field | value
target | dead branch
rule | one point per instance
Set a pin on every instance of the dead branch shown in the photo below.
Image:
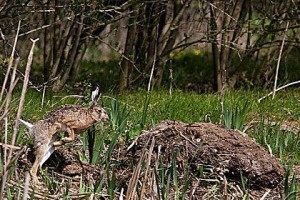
(279, 59)
(10, 146)
(280, 88)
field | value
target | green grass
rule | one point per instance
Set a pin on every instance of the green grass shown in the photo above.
(192, 107)
(186, 106)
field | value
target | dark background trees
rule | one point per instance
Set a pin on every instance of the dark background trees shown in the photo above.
(236, 42)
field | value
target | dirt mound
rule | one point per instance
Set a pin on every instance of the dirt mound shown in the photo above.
(229, 152)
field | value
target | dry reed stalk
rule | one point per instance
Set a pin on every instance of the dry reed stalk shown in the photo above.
(7, 103)
(134, 179)
(12, 83)
(266, 194)
(22, 99)
(9, 91)
(5, 140)
(19, 194)
(121, 194)
(11, 161)
(145, 180)
(19, 113)
(10, 146)
(225, 190)
(43, 98)
(38, 194)
(26, 186)
(4, 115)
(154, 185)
(10, 62)
(154, 62)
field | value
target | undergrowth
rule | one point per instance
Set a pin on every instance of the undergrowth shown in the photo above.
(133, 111)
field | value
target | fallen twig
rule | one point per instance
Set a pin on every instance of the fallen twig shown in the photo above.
(195, 145)
(266, 194)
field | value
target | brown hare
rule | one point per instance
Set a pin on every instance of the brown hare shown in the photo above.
(70, 119)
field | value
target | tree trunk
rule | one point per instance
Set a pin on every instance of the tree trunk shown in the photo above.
(81, 51)
(218, 78)
(168, 34)
(71, 52)
(129, 52)
(47, 46)
(61, 47)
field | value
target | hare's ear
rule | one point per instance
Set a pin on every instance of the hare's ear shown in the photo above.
(95, 94)
(95, 100)
(98, 97)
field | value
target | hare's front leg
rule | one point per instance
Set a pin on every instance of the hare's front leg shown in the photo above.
(71, 135)
(61, 127)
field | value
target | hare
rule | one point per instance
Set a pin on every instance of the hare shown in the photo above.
(70, 119)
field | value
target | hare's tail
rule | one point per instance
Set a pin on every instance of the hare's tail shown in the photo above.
(28, 125)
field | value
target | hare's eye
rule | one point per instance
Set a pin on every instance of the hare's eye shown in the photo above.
(99, 110)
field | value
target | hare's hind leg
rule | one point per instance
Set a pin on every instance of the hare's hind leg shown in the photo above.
(40, 152)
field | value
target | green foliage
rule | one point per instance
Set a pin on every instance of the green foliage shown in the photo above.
(291, 187)
(50, 181)
(96, 147)
(283, 144)
(102, 72)
(235, 114)
(118, 116)
(174, 172)
(145, 111)
(85, 147)
(111, 182)
(244, 187)
(9, 194)
(82, 186)
(93, 143)
(190, 66)
(164, 188)
(289, 68)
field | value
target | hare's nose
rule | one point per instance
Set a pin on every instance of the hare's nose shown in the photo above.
(104, 117)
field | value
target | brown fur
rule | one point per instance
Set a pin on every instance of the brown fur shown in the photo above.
(70, 119)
